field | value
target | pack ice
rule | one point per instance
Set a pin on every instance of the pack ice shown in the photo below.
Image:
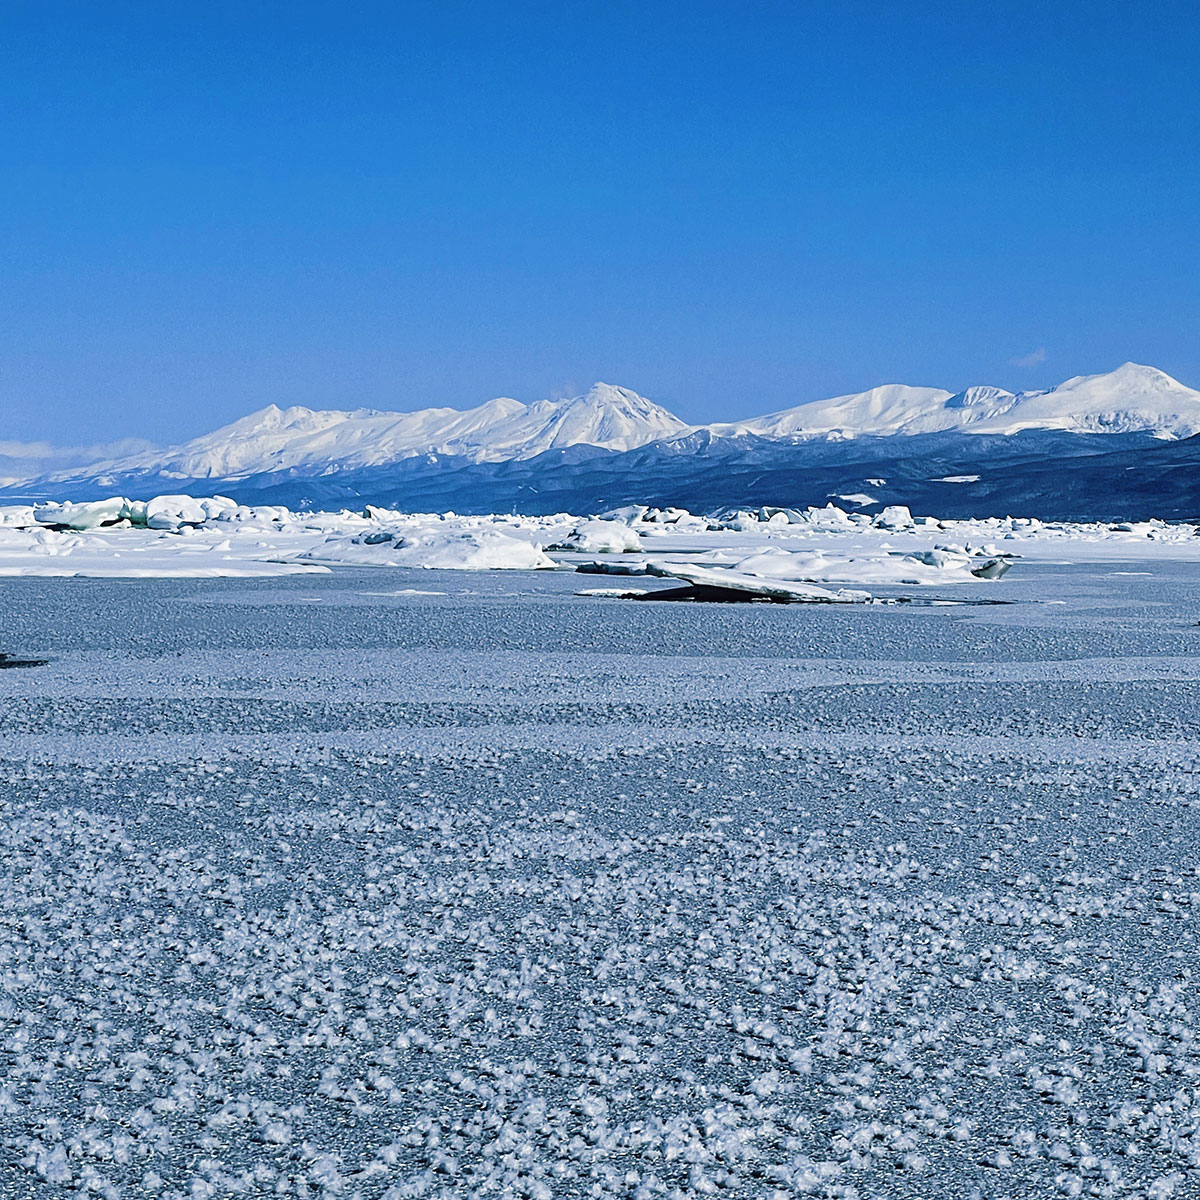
(770, 550)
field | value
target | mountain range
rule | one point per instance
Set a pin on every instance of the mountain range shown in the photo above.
(1120, 445)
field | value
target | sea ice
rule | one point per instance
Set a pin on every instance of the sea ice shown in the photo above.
(894, 516)
(601, 537)
(205, 536)
(173, 512)
(920, 567)
(720, 579)
(82, 516)
(465, 550)
(543, 901)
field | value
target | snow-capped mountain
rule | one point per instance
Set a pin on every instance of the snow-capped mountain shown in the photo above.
(891, 408)
(304, 440)
(1131, 399)
(300, 440)
(977, 451)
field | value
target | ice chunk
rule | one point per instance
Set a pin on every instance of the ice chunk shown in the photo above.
(673, 516)
(173, 512)
(612, 568)
(940, 557)
(992, 569)
(82, 516)
(628, 514)
(721, 579)
(17, 516)
(895, 516)
(608, 593)
(601, 537)
(450, 550)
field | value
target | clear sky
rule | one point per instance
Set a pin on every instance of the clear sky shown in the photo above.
(731, 208)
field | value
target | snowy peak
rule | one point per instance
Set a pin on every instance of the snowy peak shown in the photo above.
(977, 400)
(1131, 399)
(614, 418)
(274, 420)
(890, 408)
(1129, 378)
(310, 441)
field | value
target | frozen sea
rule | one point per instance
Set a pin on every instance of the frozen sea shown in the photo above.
(396, 883)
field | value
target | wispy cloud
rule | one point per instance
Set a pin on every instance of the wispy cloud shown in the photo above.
(27, 450)
(1033, 359)
(37, 457)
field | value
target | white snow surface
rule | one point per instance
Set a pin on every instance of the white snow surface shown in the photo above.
(213, 536)
(138, 554)
(935, 566)
(437, 549)
(735, 579)
(597, 536)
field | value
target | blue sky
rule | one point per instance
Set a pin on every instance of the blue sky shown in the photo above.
(730, 207)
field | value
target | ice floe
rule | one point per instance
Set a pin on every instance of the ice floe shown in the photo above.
(776, 574)
(712, 582)
(935, 566)
(601, 537)
(163, 512)
(180, 535)
(122, 555)
(445, 550)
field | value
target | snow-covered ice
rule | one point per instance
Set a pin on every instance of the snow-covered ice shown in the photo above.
(114, 554)
(318, 888)
(214, 536)
(738, 580)
(924, 567)
(596, 536)
(462, 550)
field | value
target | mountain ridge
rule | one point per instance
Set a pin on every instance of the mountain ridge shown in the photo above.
(274, 438)
(981, 446)
(1132, 398)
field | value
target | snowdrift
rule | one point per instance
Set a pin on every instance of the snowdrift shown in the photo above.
(779, 552)
(471, 550)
